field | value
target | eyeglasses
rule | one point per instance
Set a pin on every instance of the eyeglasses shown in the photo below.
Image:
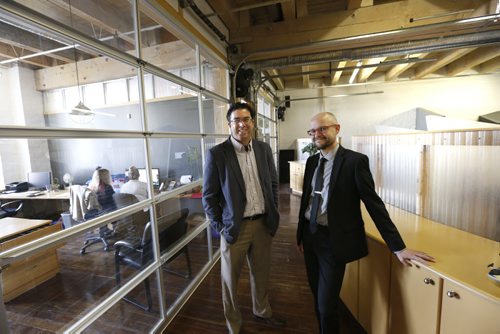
(244, 120)
(322, 129)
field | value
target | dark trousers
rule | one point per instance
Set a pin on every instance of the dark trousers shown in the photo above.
(325, 277)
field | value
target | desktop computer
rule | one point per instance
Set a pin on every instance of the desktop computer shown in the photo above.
(39, 180)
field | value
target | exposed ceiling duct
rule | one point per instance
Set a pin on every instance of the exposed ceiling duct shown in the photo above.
(395, 49)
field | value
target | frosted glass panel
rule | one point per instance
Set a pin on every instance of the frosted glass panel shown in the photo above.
(399, 176)
(464, 188)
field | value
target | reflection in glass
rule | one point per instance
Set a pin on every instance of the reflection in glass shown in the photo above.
(108, 22)
(179, 160)
(215, 77)
(165, 50)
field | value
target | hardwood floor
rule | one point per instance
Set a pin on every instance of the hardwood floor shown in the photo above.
(290, 295)
(86, 280)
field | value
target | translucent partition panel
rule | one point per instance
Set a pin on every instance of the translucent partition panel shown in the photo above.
(171, 107)
(110, 22)
(125, 317)
(70, 161)
(399, 170)
(214, 116)
(53, 288)
(178, 159)
(163, 49)
(215, 77)
(464, 188)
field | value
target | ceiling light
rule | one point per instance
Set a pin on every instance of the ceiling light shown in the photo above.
(355, 72)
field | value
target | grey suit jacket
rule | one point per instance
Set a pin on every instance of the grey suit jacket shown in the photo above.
(224, 198)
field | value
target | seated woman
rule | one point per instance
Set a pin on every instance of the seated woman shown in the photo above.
(134, 186)
(101, 185)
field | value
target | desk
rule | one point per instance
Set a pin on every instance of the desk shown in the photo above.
(29, 272)
(48, 205)
(57, 195)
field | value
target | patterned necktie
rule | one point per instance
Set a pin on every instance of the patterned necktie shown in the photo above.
(318, 186)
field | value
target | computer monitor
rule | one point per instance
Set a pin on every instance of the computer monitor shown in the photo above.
(38, 180)
(155, 173)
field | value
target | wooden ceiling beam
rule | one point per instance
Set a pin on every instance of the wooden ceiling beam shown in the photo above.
(490, 66)
(395, 71)
(355, 4)
(473, 59)
(229, 17)
(168, 56)
(329, 26)
(365, 73)
(96, 13)
(28, 41)
(337, 74)
(301, 7)
(445, 59)
(278, 82)
(305, 77)
(288, 10)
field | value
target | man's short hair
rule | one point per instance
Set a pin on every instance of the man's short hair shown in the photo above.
(239, 105)
(133, 173)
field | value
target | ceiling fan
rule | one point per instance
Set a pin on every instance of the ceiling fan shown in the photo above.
(82, 110)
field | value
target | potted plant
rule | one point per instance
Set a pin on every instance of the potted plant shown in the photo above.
(310, 148)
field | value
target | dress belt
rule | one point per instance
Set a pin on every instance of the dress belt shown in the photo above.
(254, 217)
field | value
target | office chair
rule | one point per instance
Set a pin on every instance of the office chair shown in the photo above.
(137, 253)
(10, 209)
(105, 233)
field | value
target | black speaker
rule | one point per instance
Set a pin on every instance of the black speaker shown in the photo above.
(243, 81)
(287, 101)
(281, 113)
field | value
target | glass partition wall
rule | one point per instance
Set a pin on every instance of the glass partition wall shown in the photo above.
(89, 97)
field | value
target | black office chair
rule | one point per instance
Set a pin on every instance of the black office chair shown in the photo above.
(10, 209)
(137, 253)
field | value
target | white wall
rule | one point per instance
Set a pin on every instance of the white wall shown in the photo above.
(21, 104)
(462, 97)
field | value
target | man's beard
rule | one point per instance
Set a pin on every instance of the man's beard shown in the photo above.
(326, 143)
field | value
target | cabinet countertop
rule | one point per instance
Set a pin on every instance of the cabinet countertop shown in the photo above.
(460, 256)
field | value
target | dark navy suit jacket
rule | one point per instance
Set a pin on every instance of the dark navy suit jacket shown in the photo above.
(224, 196)
(350, 183)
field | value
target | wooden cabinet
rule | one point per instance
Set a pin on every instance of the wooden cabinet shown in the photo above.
(374, 278)
(415, 299)
(27, 273)
(464, 311)
(349, 291)
(297, 170)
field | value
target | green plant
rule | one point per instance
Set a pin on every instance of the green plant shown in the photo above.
(192, 156)
(310, 148)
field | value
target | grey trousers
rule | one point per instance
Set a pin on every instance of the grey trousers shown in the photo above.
(254, 244)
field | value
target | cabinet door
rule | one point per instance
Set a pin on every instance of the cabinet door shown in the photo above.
(374, 276)
(465, 312)
(349, 292)
(415, 295)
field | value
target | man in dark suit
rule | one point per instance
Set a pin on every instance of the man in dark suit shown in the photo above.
(240, 197)
(331, 231)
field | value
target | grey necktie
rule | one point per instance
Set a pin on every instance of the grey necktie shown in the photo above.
(318, 185)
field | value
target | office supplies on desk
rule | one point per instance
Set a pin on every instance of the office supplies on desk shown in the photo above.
(16, 187)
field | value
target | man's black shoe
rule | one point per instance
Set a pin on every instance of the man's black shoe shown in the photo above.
(272, 321)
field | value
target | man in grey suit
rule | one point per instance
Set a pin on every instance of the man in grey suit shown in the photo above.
(240, 197)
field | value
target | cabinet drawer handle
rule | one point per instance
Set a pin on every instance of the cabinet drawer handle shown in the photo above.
(452, 294)
(428, 280)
